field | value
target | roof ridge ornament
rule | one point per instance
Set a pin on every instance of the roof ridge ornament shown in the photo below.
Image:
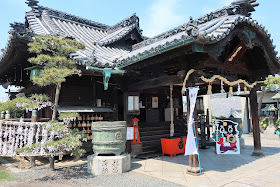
(19, 30)
(34, 6)
(243, 7)
(133, 19)
(237, 7)
(32, 3)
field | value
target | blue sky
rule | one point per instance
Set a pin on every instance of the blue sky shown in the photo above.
(156, 16)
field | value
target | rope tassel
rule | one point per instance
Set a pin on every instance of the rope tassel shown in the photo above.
(230, 90)
(209, 91)
(245, 90)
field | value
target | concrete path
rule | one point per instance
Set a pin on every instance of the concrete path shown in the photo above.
(219, 170)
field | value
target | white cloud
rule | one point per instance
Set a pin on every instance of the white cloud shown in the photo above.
(162, 16)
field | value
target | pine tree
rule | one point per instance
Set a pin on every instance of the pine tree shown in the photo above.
(53, 54)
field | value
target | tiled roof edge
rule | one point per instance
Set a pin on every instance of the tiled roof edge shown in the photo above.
(38, 10)
(130, 20)
(184, 40)
(238, 7)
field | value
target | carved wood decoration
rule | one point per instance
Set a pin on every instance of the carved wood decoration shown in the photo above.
(236, 54)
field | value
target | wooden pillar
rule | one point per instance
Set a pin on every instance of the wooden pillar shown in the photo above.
(255, 122)
(278, 111)
(171, 112)
(194, 158)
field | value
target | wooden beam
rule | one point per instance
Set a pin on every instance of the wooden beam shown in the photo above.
(213, 63)
(154, 83)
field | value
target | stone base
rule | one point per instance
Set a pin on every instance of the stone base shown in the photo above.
(136, 149)
(194, 170)
(106, 165)
(242, 143)
(257, 153)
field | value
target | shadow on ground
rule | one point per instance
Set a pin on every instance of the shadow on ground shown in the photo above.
(71, 172)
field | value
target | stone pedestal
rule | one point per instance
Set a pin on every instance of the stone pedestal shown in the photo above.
(136, 149)
(257, 153)
(106, 165)
(194, 170)
(242, 143)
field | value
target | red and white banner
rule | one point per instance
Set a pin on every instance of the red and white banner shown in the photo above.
(190, 148)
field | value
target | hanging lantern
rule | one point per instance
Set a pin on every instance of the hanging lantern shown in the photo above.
(35, 71)
(209, 91)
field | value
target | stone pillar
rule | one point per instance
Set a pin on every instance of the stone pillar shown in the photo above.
(255, 122)
(34, 115)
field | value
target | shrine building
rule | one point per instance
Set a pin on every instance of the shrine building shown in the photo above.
(127, 75)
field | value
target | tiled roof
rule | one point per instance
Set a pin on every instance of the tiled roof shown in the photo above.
(99, 38)
(45, 21)
(269, 108)
(276, 96)
(96, 36)
(120, 30)
(208, 29)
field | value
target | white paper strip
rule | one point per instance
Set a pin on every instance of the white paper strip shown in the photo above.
(191, 148)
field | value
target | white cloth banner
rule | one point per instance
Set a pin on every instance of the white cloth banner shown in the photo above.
(190, 148)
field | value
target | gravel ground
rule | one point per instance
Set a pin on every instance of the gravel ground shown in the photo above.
(78, 176)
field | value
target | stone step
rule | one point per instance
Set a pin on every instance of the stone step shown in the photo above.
(149, 155)
(148, 148)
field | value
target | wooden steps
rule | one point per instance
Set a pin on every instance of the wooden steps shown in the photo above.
(150, 137)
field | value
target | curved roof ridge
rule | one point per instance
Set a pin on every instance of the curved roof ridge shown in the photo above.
(238, 7)
(38, 9)
(128, 21)
(213, 31)
(121, 29)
